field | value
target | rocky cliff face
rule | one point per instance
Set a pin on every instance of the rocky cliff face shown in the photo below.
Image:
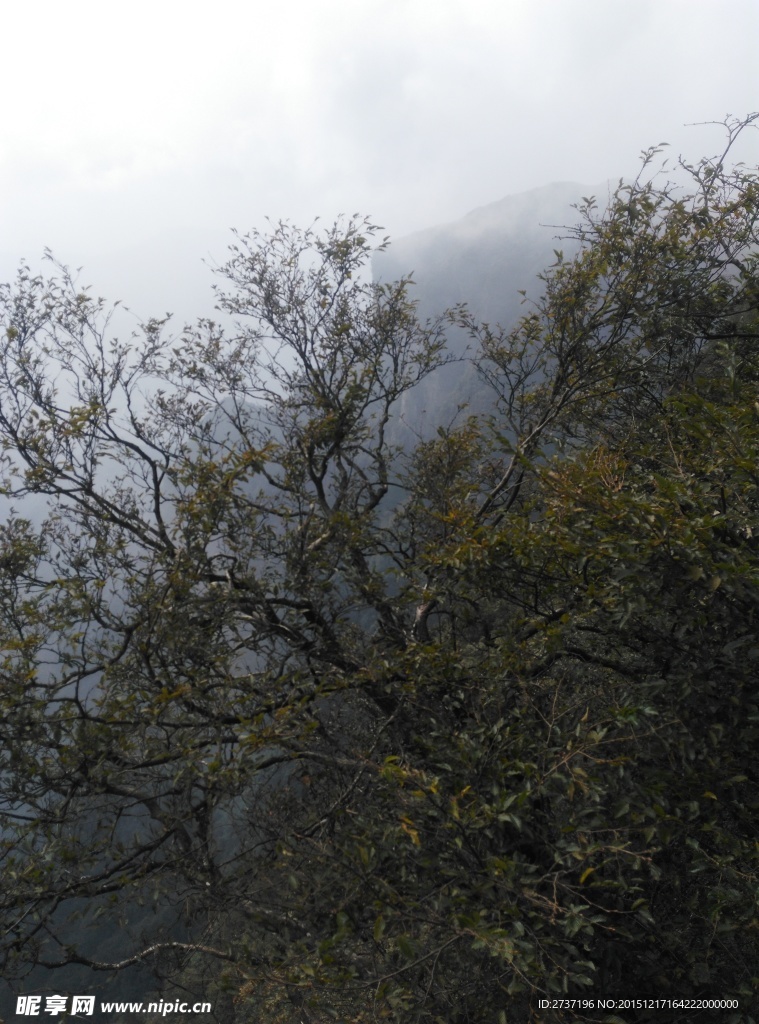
(484, 259)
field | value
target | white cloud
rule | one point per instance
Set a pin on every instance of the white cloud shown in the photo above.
(161, 118)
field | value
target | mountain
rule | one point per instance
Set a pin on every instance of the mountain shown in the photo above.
(483, 259)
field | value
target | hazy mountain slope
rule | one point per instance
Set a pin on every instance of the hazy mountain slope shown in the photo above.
(484, 259)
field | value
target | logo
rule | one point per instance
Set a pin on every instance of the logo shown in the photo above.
(31, 1006)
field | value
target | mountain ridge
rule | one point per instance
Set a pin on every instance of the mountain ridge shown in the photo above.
(484, 259)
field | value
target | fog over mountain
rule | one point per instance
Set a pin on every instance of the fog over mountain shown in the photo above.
(484, 260)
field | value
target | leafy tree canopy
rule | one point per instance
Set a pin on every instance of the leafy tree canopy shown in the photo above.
(425, 735)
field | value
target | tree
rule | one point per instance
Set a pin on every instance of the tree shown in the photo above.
(171, 626)
(425, 735)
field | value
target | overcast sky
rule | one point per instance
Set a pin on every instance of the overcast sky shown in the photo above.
(134, 136)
